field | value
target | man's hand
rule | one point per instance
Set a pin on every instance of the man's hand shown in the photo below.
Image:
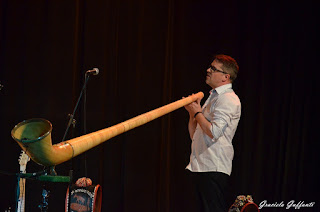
(193, 107)
(205, 125)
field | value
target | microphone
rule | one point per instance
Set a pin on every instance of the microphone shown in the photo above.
(94, 71)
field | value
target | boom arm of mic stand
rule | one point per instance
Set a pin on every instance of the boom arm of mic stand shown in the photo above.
(75, 108)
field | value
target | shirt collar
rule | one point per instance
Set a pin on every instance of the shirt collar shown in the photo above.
(222, 88)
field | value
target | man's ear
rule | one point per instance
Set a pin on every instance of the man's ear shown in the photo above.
(226, 77)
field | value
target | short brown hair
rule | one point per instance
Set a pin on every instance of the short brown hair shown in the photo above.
(229, 65)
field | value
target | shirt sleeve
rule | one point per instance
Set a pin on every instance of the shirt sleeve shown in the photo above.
(221, 115)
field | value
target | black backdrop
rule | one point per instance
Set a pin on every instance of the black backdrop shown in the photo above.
(151, 53)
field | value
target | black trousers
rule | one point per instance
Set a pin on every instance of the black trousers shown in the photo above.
(211, 190)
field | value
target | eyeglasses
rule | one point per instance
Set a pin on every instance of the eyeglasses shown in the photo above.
(213, 69)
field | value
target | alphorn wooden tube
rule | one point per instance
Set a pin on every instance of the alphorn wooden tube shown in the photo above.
(34, 135)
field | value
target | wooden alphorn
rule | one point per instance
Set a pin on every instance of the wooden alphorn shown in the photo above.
(34, 135)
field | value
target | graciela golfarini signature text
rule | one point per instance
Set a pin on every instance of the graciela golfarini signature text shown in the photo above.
(289, 205)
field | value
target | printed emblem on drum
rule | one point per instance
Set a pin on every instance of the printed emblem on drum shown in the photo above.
(81, 200)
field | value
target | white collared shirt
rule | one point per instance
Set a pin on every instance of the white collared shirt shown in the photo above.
(223, 110)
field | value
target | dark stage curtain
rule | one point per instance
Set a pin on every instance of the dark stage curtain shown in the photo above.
(151, 53)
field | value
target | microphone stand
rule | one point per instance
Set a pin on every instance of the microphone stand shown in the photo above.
(72, 121)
